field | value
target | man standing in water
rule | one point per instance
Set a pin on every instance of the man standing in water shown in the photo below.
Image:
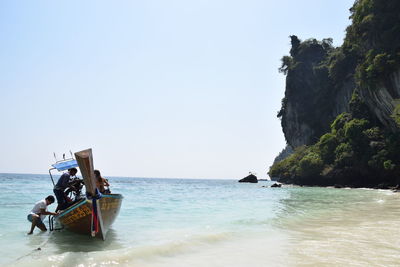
(60, 187)
(39, 212)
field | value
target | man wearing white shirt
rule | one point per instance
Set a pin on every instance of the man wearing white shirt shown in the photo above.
(39, 212)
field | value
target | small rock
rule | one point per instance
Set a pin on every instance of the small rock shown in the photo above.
(383, 186)
(276, 185)
(249, 179)
(395, 188)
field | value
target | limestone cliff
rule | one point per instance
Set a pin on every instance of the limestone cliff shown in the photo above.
(304, 119)
(382, 99)
(311, 100)
(341, 110)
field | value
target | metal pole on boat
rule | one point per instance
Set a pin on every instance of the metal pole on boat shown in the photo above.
(51, 176)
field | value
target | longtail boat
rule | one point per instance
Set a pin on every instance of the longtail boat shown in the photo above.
(93, 213)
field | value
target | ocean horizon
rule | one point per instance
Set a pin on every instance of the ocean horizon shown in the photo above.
(210, 222)
(139, 177)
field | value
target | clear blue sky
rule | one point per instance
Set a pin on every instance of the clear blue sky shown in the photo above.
(156, 88)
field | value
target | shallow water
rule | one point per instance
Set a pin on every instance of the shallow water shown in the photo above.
(186, 222)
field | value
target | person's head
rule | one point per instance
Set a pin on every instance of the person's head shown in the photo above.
(97, 174)
(72, 171)
(49, 200)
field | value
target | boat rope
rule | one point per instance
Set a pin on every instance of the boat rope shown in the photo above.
(39, 248)
(94, 226)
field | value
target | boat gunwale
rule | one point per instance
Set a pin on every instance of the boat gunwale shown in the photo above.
(83, 201)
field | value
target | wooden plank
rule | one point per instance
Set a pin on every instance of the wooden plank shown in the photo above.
(85, 163)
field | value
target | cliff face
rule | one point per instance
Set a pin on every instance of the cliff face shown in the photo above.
(296, 132)
(341, 110)
(299, 131)
(381, 99)
(301, 86)
(321, 79)
(312, 100)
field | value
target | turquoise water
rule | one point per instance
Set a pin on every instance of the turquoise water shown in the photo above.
(187, 222)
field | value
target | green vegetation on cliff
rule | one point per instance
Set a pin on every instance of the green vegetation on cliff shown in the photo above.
(374, 39)
(354, 153)
(353, 148)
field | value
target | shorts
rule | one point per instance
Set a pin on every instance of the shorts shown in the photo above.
(30, 219)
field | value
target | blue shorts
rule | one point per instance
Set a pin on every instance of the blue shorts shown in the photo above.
(31, 219)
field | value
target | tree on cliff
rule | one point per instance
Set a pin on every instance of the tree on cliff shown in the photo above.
(294, 40)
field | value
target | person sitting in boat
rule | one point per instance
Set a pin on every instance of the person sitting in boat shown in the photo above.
(101, 183)
(60, 187)
(39, 212)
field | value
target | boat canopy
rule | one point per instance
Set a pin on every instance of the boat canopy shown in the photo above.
(65, 165)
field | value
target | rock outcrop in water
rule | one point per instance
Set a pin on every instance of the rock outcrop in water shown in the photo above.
(276, 185)
(341, 110)
(251, 178)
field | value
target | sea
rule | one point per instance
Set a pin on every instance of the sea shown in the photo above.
(210, 222)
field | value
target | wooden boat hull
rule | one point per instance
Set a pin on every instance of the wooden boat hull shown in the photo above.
(78, 217)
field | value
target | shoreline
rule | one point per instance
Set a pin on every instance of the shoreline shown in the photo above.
(394, 189)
